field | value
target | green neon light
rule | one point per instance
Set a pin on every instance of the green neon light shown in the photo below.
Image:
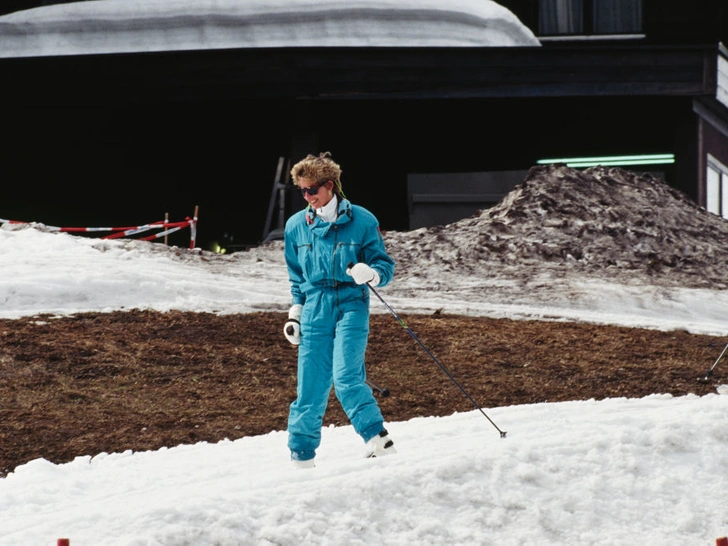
(621, 163)
(613, 161)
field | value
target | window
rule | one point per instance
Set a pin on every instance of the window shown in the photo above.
(560, 17)
(589, 17)
(716, 195)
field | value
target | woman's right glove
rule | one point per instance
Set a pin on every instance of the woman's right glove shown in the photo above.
(292, 328)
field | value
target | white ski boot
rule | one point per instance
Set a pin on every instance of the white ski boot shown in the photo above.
(381, 445)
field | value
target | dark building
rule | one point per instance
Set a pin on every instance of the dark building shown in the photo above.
(424, 135)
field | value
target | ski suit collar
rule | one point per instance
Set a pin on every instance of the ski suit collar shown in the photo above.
(344, 215)
(329, 212)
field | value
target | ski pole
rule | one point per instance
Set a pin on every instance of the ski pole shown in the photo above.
(443, 368)
(710, 371)
(383, 391)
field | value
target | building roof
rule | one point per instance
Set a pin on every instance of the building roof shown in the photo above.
(126, 26)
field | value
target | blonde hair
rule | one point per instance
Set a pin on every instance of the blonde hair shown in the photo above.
(320, 168)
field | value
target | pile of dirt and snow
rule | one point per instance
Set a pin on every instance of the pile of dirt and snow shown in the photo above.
(603, 222)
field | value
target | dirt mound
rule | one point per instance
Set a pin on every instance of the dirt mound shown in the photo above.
(599, 221)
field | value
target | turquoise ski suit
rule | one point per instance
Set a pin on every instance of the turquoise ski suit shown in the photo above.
(334, 320)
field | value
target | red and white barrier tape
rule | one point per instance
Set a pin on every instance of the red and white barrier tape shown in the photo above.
(127, 231)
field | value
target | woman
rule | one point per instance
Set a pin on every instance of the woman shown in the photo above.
(333, 249)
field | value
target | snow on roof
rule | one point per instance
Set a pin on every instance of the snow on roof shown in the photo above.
(123, 26)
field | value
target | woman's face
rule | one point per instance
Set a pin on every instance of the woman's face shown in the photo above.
(322, 193)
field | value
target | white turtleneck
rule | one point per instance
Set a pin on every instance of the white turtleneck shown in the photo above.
(330, 211)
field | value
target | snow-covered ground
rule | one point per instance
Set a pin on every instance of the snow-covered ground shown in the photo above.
(619, 471)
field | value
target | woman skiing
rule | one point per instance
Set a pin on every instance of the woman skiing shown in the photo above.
(333, 249)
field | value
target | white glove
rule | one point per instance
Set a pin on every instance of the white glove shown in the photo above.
(292, 328)
(363, 274)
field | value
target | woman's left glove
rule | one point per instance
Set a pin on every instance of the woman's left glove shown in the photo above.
(363, 274)
(292, 328)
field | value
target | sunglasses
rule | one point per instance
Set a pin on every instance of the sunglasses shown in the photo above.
(313, 190)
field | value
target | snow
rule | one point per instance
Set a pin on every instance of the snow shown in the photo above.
(124, 26)
(616, 471)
